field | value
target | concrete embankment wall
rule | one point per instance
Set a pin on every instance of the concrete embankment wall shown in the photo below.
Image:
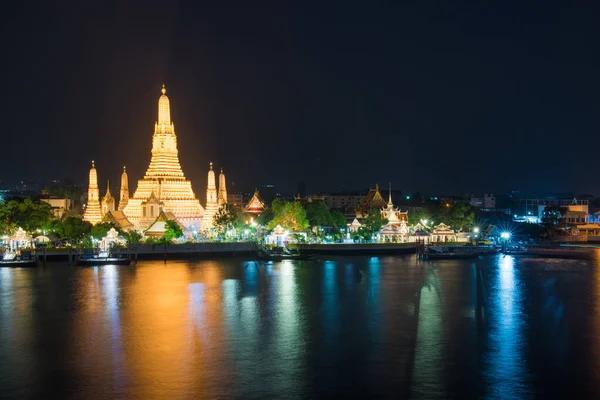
(360, 248)
(171, 251)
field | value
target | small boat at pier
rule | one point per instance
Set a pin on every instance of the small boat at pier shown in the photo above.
(23, 259)
(279, 253)
(103, 258)
(445, 252)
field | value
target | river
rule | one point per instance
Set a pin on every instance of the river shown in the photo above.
(354, 327)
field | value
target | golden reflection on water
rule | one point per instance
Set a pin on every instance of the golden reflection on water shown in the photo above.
(158, 333)
(235, 329)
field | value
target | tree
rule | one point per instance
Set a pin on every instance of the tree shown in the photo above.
(418, 216)
(338, 220)
(265, 217)
(290, 215)
(227, 219)
(27, 214)
(172, 231)
(133, 237)
(100, 230)
(372, 223)
(461, 216)
(552, 220)
(73, 229)
(318, 214)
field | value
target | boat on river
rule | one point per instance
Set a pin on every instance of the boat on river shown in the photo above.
(103, 258)
(280, 253)
(23, 259)
(444, 252)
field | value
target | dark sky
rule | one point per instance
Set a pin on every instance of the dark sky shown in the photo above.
(432, 96)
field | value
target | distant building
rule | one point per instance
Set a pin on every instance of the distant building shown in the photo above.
(487, 202)
(235, 199)
(59, 206)
(534, 207)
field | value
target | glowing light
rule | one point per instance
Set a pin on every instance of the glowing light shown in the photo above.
(476, 230)
(505, 235)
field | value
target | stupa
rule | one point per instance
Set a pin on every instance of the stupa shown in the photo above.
(93, 212)
(164, 186)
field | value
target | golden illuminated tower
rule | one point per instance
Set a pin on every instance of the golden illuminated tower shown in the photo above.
(212, 203)
(164, 179)
(222, 189)
(108, 201)
(92, 210)
(124, 196)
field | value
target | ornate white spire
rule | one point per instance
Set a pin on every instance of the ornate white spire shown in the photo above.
(164, 177)
(165, 160)
(92, 210)
(212, 203)
(108, 201)
(124, 196)
(222, 189)
(390, 200)
(211, 178)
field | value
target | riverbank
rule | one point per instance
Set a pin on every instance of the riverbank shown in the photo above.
(220, 249)
(360, 248)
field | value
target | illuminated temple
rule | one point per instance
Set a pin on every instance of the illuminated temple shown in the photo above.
(164, 187)
(163, 193)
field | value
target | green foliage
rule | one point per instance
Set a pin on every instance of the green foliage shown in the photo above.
(265, 217)
(27, 214)
(338, 220)
(173, 231)
(100, 230)
(461, 216)
(318, 214)
(373, 222)
(227, 219)
(290, 215)
(73, 229)
(151, 240)
(133, 237)
(552, 220)
(418, 216)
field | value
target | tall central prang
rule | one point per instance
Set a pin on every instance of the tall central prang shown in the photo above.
(164, 186)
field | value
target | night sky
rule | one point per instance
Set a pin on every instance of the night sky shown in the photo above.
(432, 96)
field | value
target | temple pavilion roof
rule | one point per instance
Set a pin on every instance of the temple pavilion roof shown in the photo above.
(373, 199)
(158, 227)
(255, 205)
(118, 218)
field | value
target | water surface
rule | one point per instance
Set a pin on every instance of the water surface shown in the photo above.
(377, 327)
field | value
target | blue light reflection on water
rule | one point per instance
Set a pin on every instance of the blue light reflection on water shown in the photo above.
(301, 329)
(507, 374)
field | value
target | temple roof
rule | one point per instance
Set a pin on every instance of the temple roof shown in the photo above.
(108, 197)
(394, 229)
(158, 227)
(118, 218)
(443, 228)
(255, 205)
(373, 199)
